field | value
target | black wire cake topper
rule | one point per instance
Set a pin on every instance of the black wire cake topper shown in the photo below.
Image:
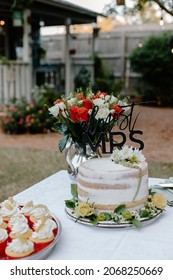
(98, 132)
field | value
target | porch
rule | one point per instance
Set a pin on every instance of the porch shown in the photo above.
(18, 76)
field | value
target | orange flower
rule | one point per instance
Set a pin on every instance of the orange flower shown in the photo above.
(79, 96)
(59, 101)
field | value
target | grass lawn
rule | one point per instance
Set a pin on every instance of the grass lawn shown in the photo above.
(21, 168)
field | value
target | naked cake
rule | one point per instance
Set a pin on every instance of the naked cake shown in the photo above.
(106, 183)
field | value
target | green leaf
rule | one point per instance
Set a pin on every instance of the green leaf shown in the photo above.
(61, 128)
(120, 209)
(144, 214)
(74, 191)
(151, 192)
(70, 204)
(170, 203)
(116, 220)
(107, 215)
(93, 219)
(63, 142)
(136, 223)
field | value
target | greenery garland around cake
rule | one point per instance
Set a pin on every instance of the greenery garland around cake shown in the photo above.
(83, 210)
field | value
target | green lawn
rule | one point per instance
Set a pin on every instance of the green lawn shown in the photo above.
(21, 168)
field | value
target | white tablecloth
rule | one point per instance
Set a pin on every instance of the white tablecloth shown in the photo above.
(80, 242)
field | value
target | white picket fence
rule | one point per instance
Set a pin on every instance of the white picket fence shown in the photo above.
(15, 81)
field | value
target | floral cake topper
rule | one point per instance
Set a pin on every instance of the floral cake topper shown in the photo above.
(127, 156)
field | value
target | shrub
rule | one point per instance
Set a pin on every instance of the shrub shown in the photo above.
(30, 117)
(83, 78)
(104, 79)
(155, 62)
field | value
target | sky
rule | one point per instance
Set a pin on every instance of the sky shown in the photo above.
(95, 5)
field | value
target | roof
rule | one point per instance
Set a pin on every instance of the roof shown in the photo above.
(52, 12)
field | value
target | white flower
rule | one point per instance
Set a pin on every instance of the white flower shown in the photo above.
(112, 111)
(138, 154)
(102, 113)
(107, 97)
(128, 156)
(54, 110)
(121, 103)
(64, 114)
(98, 102)
(71, 101)
(61, 106)
(80, 102)
(113, 99)
(126, 152)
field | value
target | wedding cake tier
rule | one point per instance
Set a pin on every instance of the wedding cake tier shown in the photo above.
(105, 184)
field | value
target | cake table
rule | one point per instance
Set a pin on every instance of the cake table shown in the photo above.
(82, 242)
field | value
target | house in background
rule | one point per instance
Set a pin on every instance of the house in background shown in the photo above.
(21, 54)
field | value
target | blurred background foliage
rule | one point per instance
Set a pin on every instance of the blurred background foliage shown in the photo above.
(154, 61)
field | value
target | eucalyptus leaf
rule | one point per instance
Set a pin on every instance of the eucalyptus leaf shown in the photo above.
(136, 223)
(61, 128)
(120, 209)
(74, 191)
(70, 204)
(63, 142)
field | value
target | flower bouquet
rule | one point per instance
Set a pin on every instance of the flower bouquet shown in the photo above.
(86, 113)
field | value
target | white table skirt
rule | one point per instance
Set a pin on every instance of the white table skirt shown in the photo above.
(82, 242)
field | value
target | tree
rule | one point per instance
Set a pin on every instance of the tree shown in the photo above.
(155, 62)
(139, 5)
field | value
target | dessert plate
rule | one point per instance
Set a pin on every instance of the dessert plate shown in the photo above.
(111, 224)
(44, 253)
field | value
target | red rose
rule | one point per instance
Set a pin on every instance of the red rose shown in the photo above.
(78, 114)
(87, 103)
(82, 114)
(73, 113)
(117, 112)
(96, 96)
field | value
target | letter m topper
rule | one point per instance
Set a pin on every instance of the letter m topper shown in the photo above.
(94, 146)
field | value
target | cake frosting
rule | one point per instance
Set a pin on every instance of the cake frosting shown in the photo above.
(27, 208)
(19, 247)
(20, 219)
(39, 212)
(7, 210)
(49, 223)
(20, 230)
(2, 223)
(45, 231)
(105, 184)
(3, 234)
(10, 201)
